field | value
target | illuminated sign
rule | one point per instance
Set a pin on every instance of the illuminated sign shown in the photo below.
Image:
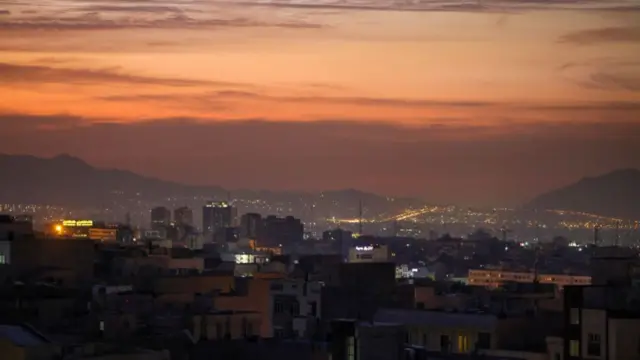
(222, 204)
(364, 248)
(77, 223)
(103, 234)
(245, 258)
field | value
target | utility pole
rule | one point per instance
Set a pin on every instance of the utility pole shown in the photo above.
(360, 218)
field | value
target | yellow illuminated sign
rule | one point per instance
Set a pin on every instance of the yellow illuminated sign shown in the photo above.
(77, 223)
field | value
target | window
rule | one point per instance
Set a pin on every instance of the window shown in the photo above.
(295, 309)
(351, 348)
(3, 258)
(227, 328)
(574, 348)
(444, 342)
(484, 340)
(249, 329)
(219, 334)
(574, 316)
(463, 343)
(314, 309)
(593, 344)
(278, 308)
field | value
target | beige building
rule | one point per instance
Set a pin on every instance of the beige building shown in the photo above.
(495, 278)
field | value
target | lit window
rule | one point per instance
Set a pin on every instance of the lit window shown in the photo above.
(351, 348)
(463, 343)
(3, 259)
(574, 315)
(574, 348)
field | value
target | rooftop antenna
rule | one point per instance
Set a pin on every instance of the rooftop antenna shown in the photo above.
(360, 218)
(596, 235)
(536, 264)
(229, 197)
(617, 233)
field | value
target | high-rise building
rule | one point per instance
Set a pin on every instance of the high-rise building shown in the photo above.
(217, 215)
(250, 226)
(183, 216)
(282, 231)
(160, 217)
(339, 239)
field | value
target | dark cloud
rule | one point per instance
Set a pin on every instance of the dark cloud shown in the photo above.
(93, 21)
(132, 8)
(215, 97)
(5, 12)
(596, 36)
(608, 81)
(219, 98)
(442, 162)
(14, 73)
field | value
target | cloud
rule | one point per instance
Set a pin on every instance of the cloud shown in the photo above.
(209, 98)
(5, 12)
(608, 81)
(442, 162)
(604, 74)
(92, 20)
(132, 9)
(14, 73)
(596, 36)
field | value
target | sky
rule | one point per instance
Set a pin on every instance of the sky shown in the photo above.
(483, 102)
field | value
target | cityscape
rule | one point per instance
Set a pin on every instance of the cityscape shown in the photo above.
(319, 180)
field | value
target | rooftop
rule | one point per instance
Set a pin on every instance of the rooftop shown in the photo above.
(22, 336)
(436, 318)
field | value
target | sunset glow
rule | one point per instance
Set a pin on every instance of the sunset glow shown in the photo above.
(458, 71)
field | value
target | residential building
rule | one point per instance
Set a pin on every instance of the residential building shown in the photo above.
(496, 278)
(601, 322)
(217, 215)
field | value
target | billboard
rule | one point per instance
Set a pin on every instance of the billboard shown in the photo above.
(103, 234)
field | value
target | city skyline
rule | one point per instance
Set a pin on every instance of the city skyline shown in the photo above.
(487, 103)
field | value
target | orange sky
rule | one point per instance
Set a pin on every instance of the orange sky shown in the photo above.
(508, 68)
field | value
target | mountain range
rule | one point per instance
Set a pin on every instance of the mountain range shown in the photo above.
(615, 194)
(69, 181)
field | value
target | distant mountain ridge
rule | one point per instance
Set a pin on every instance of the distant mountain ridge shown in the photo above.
(70, 181)
(615, 194)
(65, 179)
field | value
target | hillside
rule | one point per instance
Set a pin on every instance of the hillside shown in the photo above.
(70, 181)
(615, 194)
